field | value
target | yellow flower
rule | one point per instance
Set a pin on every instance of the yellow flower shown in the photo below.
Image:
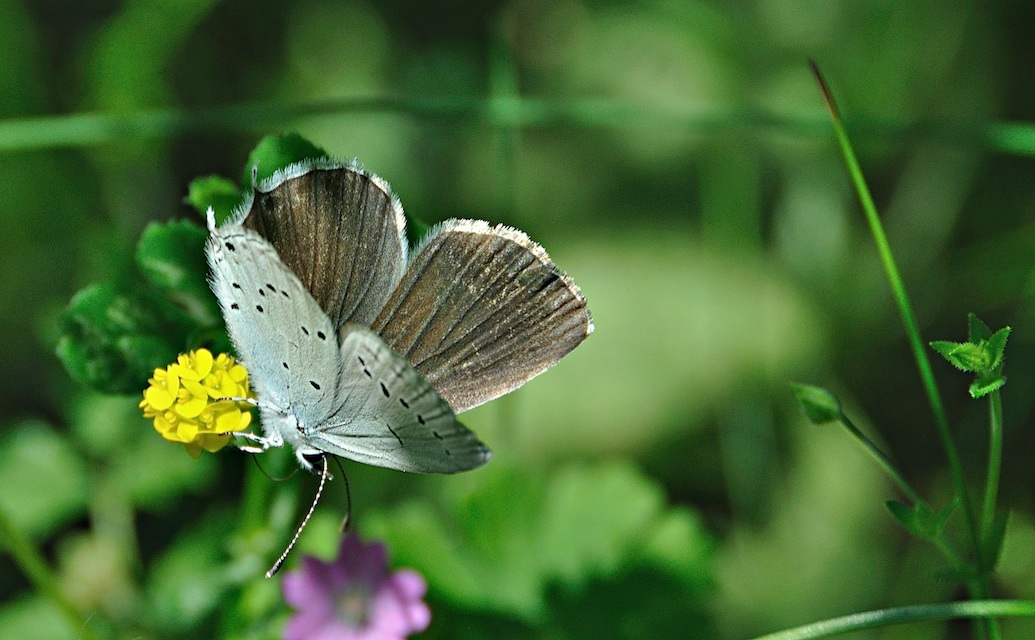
(187, 400)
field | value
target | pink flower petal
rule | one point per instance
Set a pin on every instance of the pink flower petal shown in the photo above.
(387, 606)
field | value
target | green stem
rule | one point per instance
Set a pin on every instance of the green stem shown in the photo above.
(247, 559)
(882, 460)
(885, 463)
(899, 615)
(995, 460)
(93, 129)
(923, 363)
(35, 567)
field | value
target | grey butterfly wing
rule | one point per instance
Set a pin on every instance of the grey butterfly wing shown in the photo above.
(282, 336)
(481, 310)
(339, 229)
(390, 416)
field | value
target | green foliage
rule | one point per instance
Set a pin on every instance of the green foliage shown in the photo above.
(114, 334)
(992, 543)
(819, 405)
(502, 544)
(920, 520)
(36, 450)
(171, 257)
(273, 153)
(35, 618)
(112, 337)
(189, 579)
(982, 355)
(216, 192)
(597, 155)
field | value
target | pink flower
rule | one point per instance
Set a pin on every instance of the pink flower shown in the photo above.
(355, 597)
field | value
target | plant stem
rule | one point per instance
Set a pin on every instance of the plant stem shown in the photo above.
(885, 463)
(81, 130)
(923, 363)
(995, 460)
(882, 460)
(35, 567)
(899, 615)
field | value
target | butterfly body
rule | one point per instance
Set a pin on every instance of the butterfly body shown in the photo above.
(356, 349)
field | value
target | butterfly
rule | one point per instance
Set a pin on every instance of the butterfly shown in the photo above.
(359, 349)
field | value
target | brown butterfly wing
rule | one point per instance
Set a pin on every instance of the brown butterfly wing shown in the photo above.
(339, 229)
(481, 310)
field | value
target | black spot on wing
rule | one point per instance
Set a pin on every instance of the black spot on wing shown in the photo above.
(258, 308)
(234, 305)
(384, 390)
(315, 385)
(363, 363)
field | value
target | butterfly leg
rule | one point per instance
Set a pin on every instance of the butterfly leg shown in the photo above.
(248, 401)
(261, 443)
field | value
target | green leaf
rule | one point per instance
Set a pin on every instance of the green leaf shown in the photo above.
(985, 383)
(919, 519)
(681, 547)
(499, 544)
(997, 346)
(819, 405)
(36, 617)
(214, 191)
(273, 153)
(644, 604)
(983, 356)
(189, 580)
(113, 337)
(160, 471)
(904, 514)
(976, 329)
(171, 257)
(35, 450)
(965, 356)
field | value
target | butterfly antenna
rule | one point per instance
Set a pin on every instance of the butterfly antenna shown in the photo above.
(280, 561)
(348, 498)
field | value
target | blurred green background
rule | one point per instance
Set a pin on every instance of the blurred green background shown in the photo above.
(674, 158)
